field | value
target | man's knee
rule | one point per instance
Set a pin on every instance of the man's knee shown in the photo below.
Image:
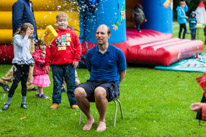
(100, 92)
(80, 92)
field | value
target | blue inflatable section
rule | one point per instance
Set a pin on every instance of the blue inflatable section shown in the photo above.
(159, 15)
(109, 12)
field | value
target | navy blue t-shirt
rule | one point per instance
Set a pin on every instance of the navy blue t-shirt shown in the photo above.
(105, 67)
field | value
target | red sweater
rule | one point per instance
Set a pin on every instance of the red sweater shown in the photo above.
(39, 66)
(65, 48)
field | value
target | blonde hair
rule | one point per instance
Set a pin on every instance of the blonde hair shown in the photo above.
(24, 27)
(61, 14)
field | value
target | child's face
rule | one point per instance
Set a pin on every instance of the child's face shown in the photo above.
(193, 15)
(43, 47)
(182, 4)
(62, 23)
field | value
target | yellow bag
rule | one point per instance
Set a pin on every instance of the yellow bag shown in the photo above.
(49, 35)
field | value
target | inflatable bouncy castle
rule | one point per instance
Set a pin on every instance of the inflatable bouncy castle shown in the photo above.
(153, 45)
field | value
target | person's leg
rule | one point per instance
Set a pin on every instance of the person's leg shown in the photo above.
(24, 78)
(138, 27)
(194, 34)
(8, 77)
(5, 80)
(83, 103)
(191, 31)
(185, 30)
(57, 73)
(101, 105)
(30, 85)
(180, 31)
(77, 81)
(69, 75)
(16, 80)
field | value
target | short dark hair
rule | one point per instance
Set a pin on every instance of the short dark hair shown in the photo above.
(182, 1)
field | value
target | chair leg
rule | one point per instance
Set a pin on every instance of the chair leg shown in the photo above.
(120, 106)
(115, 115)
(80, 119)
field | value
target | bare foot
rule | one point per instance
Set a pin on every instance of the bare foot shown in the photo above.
(89, 124)
(101, 126)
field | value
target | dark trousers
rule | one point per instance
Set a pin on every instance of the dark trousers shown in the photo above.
(182, 26)
(21, 73)
(59, 72)
(193, 34)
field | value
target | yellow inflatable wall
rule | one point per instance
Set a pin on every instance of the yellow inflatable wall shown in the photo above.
(45, 12)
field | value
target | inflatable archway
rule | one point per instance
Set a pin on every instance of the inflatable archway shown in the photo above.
(154, 45)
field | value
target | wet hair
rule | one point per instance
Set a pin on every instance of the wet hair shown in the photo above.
(40, 42)
(24, 27)
(61, 14)
(108, 29)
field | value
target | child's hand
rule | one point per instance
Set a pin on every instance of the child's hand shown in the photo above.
(29, 32)
(75, 63)
(47, 69)
(187, 17)
(196, 107)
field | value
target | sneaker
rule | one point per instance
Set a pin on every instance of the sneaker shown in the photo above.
(5, 87)
(75, 107)
(54, 106)
(6, 106)
(43, 96)
(23, 106)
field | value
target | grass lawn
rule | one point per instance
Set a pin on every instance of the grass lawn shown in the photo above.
(155, 103)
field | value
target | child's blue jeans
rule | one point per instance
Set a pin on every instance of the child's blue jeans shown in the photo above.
(67, 72)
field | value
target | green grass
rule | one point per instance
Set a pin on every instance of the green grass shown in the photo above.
(155, 103)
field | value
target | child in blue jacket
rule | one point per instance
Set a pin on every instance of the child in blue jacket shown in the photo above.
(193, 23)
(182, 18)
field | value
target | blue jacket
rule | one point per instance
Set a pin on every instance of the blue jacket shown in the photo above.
(22, 13)
(181, 14)
(192, 21)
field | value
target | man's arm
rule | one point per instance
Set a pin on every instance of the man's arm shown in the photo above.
(122, 75)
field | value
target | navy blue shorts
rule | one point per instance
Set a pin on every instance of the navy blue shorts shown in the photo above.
(112, 89)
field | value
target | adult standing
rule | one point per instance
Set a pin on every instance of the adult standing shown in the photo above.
(107, 66)
(22, 12)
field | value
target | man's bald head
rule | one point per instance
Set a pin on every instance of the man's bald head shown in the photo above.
(103, 26)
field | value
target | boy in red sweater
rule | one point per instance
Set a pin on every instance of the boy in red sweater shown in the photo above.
(63, 55)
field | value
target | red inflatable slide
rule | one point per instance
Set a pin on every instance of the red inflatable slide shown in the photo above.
(159, 48)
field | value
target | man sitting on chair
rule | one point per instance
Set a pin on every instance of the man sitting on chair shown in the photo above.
(107, 66)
